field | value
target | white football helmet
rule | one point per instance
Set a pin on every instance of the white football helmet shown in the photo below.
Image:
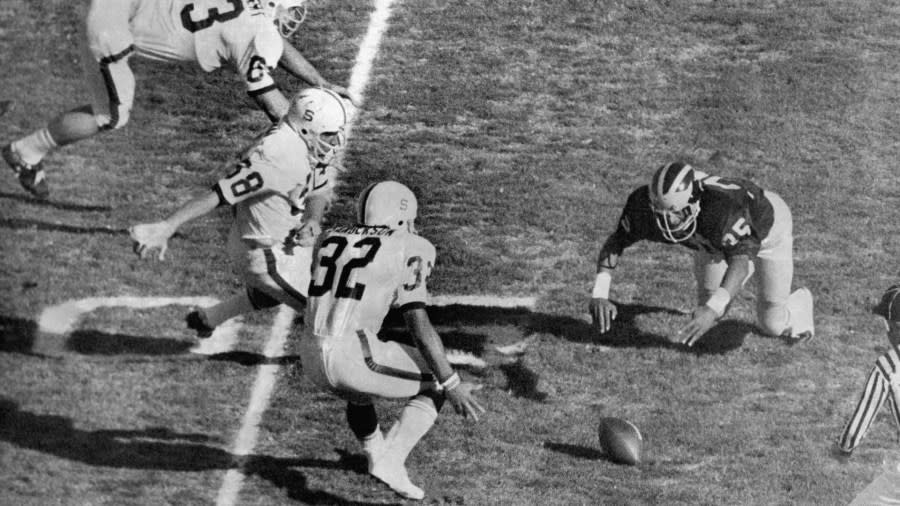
(287, 15)
(675, 200)
(319, 116)
(388, 204)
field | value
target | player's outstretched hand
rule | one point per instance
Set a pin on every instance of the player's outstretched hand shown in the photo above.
(603, 312)
(702, 320)
(463, 400)
(150, 236)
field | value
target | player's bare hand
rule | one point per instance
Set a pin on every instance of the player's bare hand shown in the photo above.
(150, 236)
(305, 236)
(603, 312)
(344, 93)
(702, 320)
(464, 401)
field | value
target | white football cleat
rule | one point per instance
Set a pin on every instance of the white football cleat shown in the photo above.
(800, 305)
(396, 477)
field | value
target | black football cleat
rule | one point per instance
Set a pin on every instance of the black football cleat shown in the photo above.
(31, 177)
(197, 323)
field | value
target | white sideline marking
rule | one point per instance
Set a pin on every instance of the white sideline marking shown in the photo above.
(265, 381)
(61, 318)
(484, 301)
(259, 401)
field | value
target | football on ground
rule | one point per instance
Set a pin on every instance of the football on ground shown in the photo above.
(620, 440)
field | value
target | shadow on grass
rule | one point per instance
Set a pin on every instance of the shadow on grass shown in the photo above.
(582, 452)
(17, 335)
(157, 448)
(247, 358)
(64, 206)
(26, 223)
(95, 342)
(522, 381)
(726, 336)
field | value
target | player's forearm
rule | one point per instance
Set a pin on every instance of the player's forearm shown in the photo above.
(608, 258)
(737, 271)
(316, 205)
(193, 209)
(273, 103)
(429, 343)
(298, 66)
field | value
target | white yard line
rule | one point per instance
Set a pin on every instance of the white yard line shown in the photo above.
(265, 380)
(61, 318)
(259, 401)
(484, 301)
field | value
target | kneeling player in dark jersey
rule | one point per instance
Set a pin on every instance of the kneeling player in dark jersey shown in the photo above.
(734, 228)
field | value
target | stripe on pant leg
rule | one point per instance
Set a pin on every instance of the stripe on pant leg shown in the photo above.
(272, 268)
(111, 91)
(387, 370)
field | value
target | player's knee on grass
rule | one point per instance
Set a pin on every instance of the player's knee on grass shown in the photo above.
(773, 318)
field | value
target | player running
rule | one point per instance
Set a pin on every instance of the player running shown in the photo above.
(280, 190)
(244, 35)
(734, 228)
(359, 273)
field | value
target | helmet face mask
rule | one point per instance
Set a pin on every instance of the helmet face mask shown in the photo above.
(388, 204)
(675, 201)
(319, 117)
(287, 15)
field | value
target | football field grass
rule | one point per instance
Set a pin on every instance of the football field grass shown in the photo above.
(522, 126)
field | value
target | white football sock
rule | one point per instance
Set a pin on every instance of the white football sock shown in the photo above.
(373, 446)
(34, 147)
(415, 421)
(235, 306)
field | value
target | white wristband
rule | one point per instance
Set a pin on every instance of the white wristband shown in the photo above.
(719, 301)
(450, 383)
(601, 285)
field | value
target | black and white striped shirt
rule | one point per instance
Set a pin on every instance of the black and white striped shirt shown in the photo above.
(883, 383)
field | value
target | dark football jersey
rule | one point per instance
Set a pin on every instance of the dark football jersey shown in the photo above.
(734, 219)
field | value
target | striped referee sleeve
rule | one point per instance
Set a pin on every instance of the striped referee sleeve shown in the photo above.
(878, 388)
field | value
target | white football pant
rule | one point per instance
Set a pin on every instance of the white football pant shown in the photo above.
(774, 269)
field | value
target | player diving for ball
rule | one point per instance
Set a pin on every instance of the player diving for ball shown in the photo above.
(280, 190)
(734, 228)
(359, 273)
(247, 36)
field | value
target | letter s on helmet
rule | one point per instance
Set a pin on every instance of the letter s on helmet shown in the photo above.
(286, 14)
(675, 200)
(319, 117)
(388, 204)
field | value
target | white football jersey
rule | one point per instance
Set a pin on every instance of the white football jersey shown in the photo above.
(269, 187)
(359, 273)
(212, 33)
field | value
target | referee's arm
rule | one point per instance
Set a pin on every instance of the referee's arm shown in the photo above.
(871, 400)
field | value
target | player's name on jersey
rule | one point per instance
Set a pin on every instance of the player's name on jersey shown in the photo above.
(363, 230)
